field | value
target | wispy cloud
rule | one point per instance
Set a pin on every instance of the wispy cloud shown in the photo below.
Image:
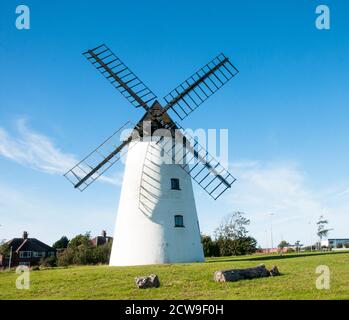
(34, 150)
(37, 151)
(274, 187)
(343, 193)
(283, 189)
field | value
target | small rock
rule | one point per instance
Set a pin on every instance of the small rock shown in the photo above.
(151, 281)
(274, 271)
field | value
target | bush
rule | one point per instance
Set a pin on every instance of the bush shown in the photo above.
(231, 237)
(225, 247)
(290, 250)
(4, 249)
(48, 262)
(210, 247)
(84, 254)
(244, 245)
(236, 247)
(65, 258)
(62, 243)
(80, 240)
(339, 245)
(346, 245)
(101, 254)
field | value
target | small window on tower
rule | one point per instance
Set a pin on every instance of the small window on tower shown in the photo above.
(175, 184)
(179, 221)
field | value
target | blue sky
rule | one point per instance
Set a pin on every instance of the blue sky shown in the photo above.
(286, 111)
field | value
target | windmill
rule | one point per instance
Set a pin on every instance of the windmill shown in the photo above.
(157, 219)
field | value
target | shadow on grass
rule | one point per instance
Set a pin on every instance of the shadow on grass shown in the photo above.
(273, 257)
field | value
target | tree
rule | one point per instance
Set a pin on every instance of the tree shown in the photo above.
(298, 246)
(4, 249)
(233, 226)
(62, 243)
(243, 246)
(283, 244)
(225, 246)
(80, 240)
(322, 232)
(101, 254)
(210, 247)
(231, 236)
(65, 258)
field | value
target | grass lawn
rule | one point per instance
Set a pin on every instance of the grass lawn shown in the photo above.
(188, 281)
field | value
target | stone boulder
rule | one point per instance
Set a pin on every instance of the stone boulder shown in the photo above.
(248, 273)
(151, 281)
(274, 271)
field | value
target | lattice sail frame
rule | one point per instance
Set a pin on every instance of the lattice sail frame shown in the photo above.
(197, 162)
(120, 76)
(87, 165)
(191, 93)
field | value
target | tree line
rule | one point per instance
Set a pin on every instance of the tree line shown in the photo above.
(230, 238)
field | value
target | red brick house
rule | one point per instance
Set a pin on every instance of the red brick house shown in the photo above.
(26, 251)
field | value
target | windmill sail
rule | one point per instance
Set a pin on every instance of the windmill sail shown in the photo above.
(120, 76)
(99, 160)
(185, 98)
(198, 163)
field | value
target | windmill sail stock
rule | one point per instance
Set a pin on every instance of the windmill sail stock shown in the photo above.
(120, 76)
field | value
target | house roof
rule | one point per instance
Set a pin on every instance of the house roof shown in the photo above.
(29, 244)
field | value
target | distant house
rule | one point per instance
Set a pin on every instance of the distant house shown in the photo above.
(102, 239)
(267, 250)
(26, 251)
(286, 249)
(335, 243)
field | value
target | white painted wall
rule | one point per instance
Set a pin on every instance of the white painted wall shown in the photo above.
(145, 231)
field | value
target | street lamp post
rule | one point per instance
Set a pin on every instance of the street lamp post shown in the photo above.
(311, 245)
(271, 230)
(9, 261)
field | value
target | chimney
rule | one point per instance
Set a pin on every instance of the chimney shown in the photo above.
(25, 235)
(104, 233)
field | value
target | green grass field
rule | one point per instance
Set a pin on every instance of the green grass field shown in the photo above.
(188, 281)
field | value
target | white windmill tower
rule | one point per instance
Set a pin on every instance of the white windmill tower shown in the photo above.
(157, 220)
